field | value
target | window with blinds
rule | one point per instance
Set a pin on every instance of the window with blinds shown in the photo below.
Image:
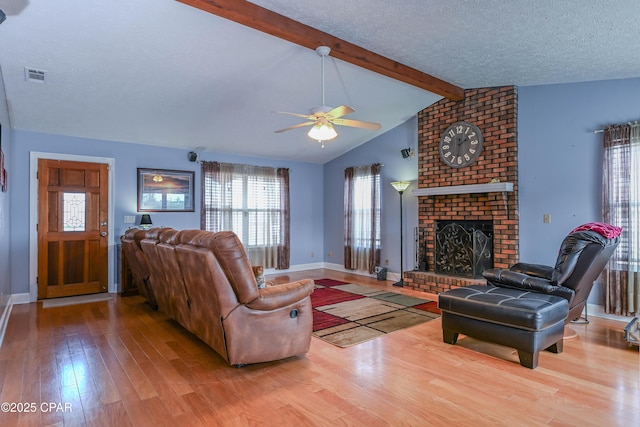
(251, 201)
(362, 217)
(366, 211)
(621, 207)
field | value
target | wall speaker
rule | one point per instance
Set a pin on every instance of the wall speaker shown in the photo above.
(406, 152)
(193, 156)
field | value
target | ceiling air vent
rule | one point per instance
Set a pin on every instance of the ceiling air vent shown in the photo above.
(34, 75)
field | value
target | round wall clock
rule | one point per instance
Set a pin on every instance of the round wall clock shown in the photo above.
(461, 144)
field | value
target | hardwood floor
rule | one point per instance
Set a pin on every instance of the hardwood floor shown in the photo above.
(119, 363)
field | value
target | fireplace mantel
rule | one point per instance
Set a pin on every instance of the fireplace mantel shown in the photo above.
(497, 187)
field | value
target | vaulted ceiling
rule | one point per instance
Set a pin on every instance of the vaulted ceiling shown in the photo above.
(161, 72)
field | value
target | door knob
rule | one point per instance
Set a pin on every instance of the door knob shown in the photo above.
(104, 233)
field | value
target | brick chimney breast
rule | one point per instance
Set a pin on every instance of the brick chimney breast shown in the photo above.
(495, 111)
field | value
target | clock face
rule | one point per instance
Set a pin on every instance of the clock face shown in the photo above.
(461, 144)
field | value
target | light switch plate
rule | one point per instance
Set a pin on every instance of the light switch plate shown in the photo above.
(129, 219)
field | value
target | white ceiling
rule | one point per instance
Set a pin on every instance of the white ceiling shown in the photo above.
(163, 73)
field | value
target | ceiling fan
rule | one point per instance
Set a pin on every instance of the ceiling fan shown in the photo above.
(323, 118)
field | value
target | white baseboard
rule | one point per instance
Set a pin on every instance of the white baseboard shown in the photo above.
(4, 320)
(6, 313)
(598, 311)
(329, 266)
(336, 267)
(339, 267)
(21, 298)
(298, 267)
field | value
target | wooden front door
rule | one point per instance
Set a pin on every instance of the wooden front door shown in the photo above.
(72, 228)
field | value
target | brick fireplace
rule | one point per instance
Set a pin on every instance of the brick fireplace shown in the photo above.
(485, 191)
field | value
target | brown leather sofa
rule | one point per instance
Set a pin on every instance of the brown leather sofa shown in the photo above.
(206, 283)
(158, 282)
(137, 262)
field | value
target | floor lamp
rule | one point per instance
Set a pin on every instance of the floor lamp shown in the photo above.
(401, 186)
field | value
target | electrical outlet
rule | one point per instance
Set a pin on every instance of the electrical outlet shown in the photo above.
(330, 253)
(546, 218)
(313, 254)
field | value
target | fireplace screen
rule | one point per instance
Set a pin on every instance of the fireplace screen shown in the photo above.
(463, 248)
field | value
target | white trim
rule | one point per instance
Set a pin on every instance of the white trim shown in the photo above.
(329, 266)
(33, 215)
(340, 267)
(598, 311)
(337, 267)
(464, 189)
(4, 320)
(394, 277)
(299, 267)
(17, 299)
(332, 266)
(6, 314)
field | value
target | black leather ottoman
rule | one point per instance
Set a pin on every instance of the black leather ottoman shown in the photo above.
(528, 321)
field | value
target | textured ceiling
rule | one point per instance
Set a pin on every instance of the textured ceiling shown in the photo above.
(163, 73)
(489, 42)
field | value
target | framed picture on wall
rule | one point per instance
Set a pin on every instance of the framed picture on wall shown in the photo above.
(163, 190)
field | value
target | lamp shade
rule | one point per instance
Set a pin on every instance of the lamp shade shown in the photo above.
(322, 132)
(400, 185)
(145, 219)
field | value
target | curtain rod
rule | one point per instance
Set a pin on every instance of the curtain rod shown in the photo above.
(602, 130)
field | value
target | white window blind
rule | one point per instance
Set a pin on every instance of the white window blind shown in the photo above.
(362, 217)
(249, 200)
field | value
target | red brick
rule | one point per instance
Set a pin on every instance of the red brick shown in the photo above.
(494, 111)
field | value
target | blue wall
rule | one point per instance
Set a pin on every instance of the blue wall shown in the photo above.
(5, 222)
(306, 192)
(560, 158)
(559, 173)
(384, 149)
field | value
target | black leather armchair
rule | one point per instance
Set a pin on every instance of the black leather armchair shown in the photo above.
(582, 257)
(528, 305)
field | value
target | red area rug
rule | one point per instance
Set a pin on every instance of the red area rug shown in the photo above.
(329, 282)
(345, 314)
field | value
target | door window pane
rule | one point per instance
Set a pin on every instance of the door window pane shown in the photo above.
(73, 208)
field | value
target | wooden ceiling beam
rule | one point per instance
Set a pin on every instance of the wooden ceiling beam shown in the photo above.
(261, 19)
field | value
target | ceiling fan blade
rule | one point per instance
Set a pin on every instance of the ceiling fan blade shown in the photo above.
(356, 124)
(304, 116)
(325, 117)
(299, 125)
(340, 111)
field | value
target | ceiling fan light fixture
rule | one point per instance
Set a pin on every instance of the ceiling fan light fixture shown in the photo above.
(322, 132)
(323, 118)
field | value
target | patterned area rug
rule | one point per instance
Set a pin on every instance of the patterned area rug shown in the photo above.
(345, 314)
